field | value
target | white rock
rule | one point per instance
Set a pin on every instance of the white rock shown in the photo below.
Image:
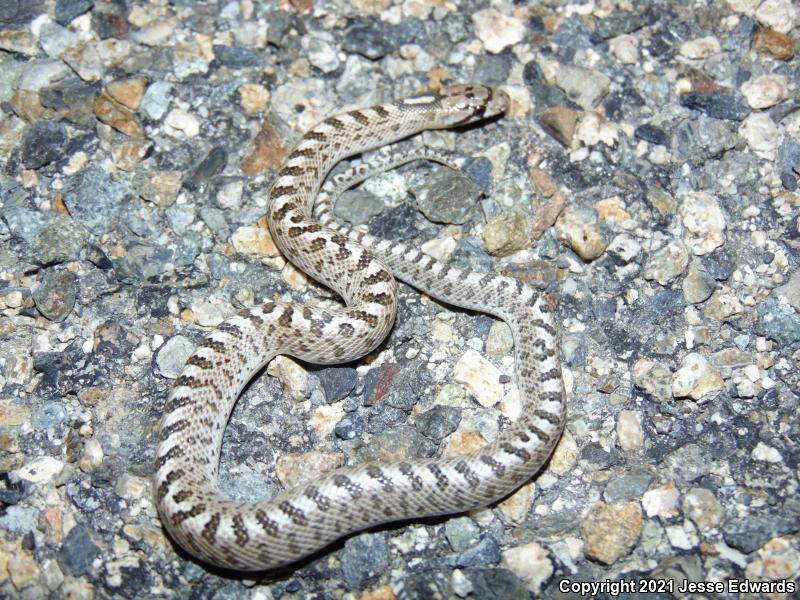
(662, 502)
(702, 216)
(92, 455)
(181, 123)
(207, 314)
(594, 129)
(700, 48)
(683, 537)
(764, 91)
(766, 453)
(531, 563)
(778, 14)
(480, 377)
(695, 378)
(761, 134)
(40, 470)
(625, 48)
(496, 30)
(629, 429)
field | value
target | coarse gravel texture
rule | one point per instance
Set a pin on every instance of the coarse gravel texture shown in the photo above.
(646, 174)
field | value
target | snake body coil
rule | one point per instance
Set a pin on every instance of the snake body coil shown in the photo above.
(359, 267)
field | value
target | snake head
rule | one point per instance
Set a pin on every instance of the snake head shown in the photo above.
(461, 104)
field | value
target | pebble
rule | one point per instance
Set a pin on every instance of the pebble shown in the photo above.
(23, 570)
(703, 508)
(700, 48)
(761, 134)
(372, 41)
(766, 453)
(629, 430)
(585, 87)
(496, 30)
(790, 291)
(128, 92)
(699, 284)
(703, 218)
(560, 122)
(716, 104)
(55, 295)
(93, 198)
(666, 263)
(662, 502)
(625, 49)
(781, 15)
(322, 55)
(172, 355)
(748, 534)
(253, 98)
(439, 422)
(156, 99)
(778, 322)
(67, 10)
(773, 43)
(118, 116)
(531, 563)
(158, 187)
(695, 378)
(579, 229)
(480, 377)
(610, 530)
(506, 234)
(778, 560)
(364, 556)
(448, 197)
(686, 464)
(630, 486)
(255, 241)
(78, 552)
(180, 123)
(43, 143)
(296, 381)
(721, 306)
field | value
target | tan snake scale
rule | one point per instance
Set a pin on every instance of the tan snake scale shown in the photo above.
(359, 267)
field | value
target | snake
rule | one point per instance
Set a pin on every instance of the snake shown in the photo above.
(361, 269)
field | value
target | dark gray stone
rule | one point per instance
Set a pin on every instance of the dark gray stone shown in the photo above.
(364, 557)
(59, 241)
(749, 533)
(496, 584)
(439, 422)
(483, 553)
(73, 99)
(461, 532)
(93, 198)
(629, 486)
(350, 427)
(47, 415)
(67, 10)
(43, 143)
(236, 57)
(652, 134)
(717, 105)
(430, 585)
(778, 322)
(369, 40)
(358, 206)
(337, 382)
(447, 197)
(77, 552)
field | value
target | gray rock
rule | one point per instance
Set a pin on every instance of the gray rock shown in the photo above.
(61, 240)
(47, 415)
(155, 101)
(687, 464)
(72, 98)
(55, 295)
(180, 216)
(439, 422)
(337, 382)
(357, 206)
(350, 427)
(370, 40)
(67, 10)
(751, 532)
(19, 519)
(431, 585)
(630, 486)
(496, 584)
(214, 218)
(461, 532)
(483, 553)
(77, 552)
(10, 68)
(22, 222)
(236, 57)
(43, 143)
(364, 557)
(778, 322)
(717, 105)
(447, 197)
(701, 138)
(173, 354)
(93, 198)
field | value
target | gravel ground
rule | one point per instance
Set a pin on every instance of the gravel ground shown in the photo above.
(646, 174)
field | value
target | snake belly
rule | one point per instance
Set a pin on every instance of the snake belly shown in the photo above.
(298, 522)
